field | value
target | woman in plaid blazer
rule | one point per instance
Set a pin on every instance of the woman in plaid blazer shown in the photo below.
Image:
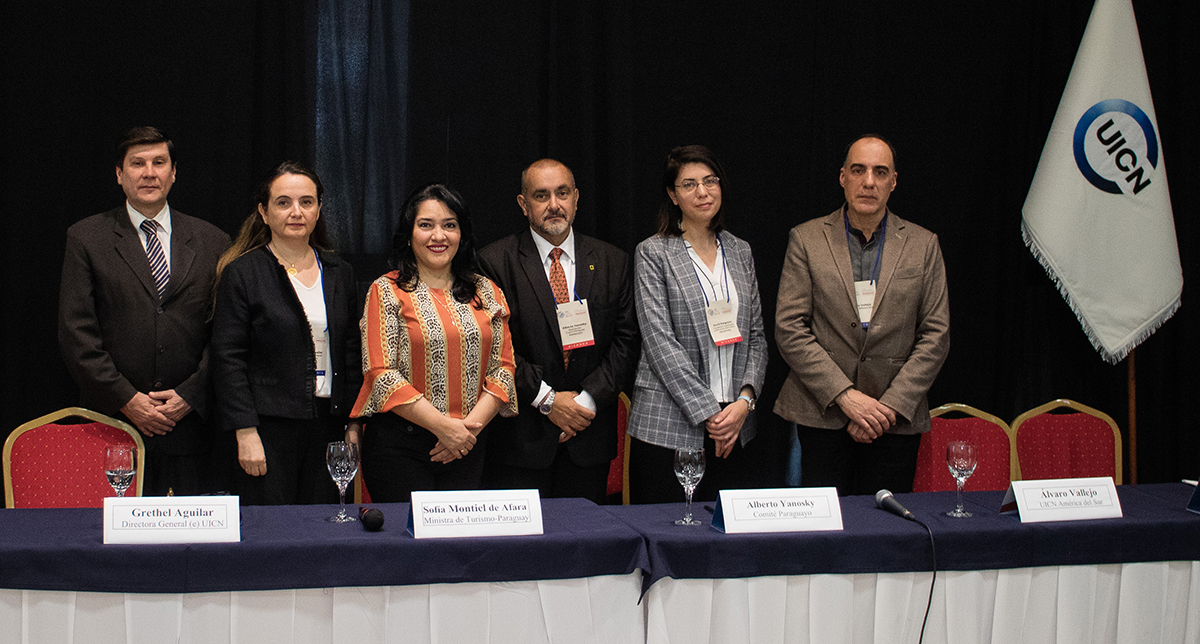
(699, 373)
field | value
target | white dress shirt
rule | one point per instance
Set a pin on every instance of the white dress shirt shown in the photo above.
(568, 265)
(164, 228)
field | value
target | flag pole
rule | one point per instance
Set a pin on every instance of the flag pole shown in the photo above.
(1131, 380)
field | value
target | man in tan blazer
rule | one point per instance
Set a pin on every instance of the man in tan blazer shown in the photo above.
(863, 321)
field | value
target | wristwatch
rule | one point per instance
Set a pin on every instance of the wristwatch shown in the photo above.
(547, 403)
(749, 401)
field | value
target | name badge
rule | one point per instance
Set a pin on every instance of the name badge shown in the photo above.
(1063, 499)
(475, 513)
(864, 293)
(575, 325)
(722, 323)
(321, 352)
(791, 509)
(172, 519)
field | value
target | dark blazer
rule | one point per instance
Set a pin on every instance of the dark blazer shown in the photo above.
(263, 359)
(115, 335)
(603, 277)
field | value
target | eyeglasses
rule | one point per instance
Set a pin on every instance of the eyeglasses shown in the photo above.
(711, 182)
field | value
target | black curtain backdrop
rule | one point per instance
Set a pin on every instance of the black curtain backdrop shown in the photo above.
(230, 82)
(967, 92)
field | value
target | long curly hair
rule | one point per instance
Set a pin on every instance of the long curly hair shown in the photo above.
(463, 266)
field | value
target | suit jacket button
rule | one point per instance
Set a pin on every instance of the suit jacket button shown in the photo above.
(158, 385)
(162, 349)
(159, 309)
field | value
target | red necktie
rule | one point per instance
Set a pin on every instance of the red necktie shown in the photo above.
(558, 284)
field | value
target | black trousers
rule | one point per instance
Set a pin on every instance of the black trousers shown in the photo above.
(180, 475)
(652, 473)
(396, 462)
(295, 451)
(830, 458)
(563, 479)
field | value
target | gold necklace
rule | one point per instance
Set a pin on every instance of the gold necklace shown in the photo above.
(292, 270)
(445, 305)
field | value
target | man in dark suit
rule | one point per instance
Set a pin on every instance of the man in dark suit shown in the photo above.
(134, 315)
(563, 445)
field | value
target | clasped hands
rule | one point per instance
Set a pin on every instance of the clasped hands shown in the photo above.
(726, 425)
(569, 416)
(869, 418)
(456, 438)
(157, 412)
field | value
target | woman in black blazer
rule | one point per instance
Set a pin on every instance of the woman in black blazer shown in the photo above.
(285, 355)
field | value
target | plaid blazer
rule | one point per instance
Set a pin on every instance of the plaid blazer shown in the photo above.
(671, 395)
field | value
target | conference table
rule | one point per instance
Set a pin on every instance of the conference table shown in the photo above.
(295, 577)
(1131, 580)
(618, 574)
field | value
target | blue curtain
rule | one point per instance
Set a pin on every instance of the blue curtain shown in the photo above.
(361, 119)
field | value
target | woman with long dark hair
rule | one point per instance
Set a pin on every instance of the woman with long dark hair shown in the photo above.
(438, 359)
(284, 354)
(704, 353)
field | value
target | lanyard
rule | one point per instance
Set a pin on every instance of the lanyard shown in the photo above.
(320, 280)
(878, 250)
(724, 269)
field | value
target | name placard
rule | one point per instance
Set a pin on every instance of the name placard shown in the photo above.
(1063, 499)
(172, 519)
(475, 513)
(789, 509)
(1194, 504)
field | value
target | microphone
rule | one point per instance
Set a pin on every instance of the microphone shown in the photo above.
(372, 519)
(885, 500)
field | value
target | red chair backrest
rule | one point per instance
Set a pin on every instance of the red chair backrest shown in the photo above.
(992, 448)
(1056, 446)
(616, 469)
(62, 466)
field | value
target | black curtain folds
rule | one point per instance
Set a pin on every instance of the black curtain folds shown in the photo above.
(383, 96)
(361, 119)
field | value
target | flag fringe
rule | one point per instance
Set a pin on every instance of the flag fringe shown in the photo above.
(1111, 357)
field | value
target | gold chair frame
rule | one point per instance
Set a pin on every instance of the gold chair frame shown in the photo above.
(1014, 466)
(69, 412)
(1082, 408)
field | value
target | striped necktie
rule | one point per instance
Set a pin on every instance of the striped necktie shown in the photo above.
(158, 259)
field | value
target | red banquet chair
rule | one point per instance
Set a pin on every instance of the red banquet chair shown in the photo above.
(1085, 442)
(994, 443)
(618, 470)
(53, 465)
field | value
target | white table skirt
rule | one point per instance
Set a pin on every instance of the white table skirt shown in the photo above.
(1137, 603)
(1119, 603)
(594, 610)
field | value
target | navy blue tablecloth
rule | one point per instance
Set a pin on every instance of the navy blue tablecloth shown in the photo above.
(1155, 527)
(294, 547)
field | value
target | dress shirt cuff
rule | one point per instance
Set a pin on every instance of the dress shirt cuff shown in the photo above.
(541, 394)
(585, 400)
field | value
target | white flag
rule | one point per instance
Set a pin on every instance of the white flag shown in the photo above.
(1098, 215)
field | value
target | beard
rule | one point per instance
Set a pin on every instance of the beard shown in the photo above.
(554, 227)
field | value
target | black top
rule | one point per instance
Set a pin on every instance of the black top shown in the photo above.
(262, 357)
